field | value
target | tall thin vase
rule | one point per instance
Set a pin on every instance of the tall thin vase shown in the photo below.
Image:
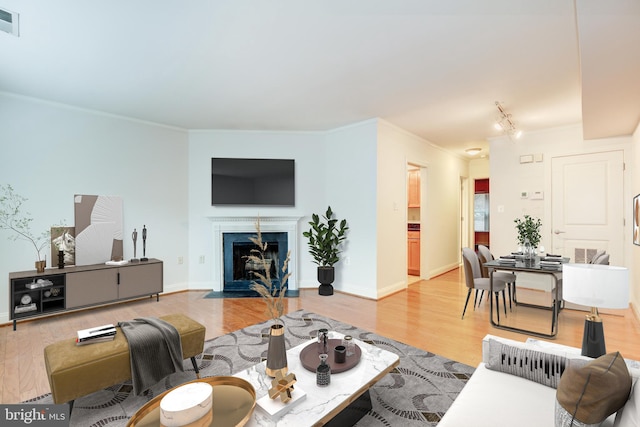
(277, 352)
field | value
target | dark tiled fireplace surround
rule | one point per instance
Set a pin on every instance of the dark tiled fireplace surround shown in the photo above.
(232, 273)
(239, 270)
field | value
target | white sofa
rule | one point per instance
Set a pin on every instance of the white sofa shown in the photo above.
(492, 398)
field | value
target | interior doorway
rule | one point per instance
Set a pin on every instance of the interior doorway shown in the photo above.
(464, 216)
(415, 203)
(481, 212)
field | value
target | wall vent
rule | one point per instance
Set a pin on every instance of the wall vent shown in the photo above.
(9, 22)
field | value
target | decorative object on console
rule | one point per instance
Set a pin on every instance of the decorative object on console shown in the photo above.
(325, 239)
(60, 259)
(595, 285)
(13, 218)
(528, 229)
(40, 265)
(144, 244)
(274, 297)
(99, 231)
(134, 237)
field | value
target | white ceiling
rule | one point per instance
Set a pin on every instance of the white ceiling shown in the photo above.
(434, 68)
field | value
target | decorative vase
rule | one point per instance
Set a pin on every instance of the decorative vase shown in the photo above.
(40, 265)
(326, 276)
(323, 372)
(277, 352)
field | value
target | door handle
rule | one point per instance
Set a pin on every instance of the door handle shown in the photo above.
(556, 231)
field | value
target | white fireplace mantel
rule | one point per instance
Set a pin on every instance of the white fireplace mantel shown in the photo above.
(247, 224)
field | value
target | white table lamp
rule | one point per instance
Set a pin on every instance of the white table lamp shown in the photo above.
(596, 286)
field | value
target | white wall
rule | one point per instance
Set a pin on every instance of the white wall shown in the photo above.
(332, 168)
(439, 208)
(350, 160)
(360, 170)
(509, 178)
(51, 152)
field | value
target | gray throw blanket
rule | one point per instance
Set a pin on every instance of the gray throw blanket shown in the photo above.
(155, 351)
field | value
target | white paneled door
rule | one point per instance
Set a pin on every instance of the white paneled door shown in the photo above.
(587, 205)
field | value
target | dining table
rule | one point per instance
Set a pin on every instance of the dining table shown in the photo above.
(515, 263)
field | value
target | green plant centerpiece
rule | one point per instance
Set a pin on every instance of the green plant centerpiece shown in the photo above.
(528, 230)
(272, 290)
(14, 218)
(325, 238)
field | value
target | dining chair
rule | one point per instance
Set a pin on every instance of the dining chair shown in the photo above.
(598, 254)
(602, 259)
(509, 279)
(474, 280)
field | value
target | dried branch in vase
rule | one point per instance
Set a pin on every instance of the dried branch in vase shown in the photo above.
(272, 292)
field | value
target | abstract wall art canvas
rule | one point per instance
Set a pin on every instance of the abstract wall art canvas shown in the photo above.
(99, 229)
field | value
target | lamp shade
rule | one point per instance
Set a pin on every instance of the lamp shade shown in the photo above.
(596, 285)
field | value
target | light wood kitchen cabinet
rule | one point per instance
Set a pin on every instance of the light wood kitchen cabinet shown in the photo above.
(414, 253)
(414, 189)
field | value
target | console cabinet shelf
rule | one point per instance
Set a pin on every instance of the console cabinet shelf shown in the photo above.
(36, 294)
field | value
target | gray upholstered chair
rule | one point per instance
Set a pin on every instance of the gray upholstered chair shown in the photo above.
(602, 259)
(598, 254)
(474, 280)
(509, 279)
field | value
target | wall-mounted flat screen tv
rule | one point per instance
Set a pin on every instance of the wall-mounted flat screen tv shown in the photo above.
(252, 182)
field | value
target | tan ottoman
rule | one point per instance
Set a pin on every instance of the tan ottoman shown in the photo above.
(75, 371)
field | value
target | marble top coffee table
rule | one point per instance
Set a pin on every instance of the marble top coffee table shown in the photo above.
(321, 404)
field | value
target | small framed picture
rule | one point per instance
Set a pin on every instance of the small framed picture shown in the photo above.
(636, 220)
(63, 239)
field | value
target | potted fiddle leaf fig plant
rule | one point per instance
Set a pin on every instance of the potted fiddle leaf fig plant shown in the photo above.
(325, 239)
(14, 218)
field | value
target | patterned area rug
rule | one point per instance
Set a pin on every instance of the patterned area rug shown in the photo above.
(417, 393)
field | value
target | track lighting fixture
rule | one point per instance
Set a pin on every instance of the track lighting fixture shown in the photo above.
(505, 123)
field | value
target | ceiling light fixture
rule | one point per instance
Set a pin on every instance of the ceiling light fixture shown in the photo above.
(505, 123)
(472, 151)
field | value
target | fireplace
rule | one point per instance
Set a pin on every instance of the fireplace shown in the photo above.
(239, 270)
(280, 233)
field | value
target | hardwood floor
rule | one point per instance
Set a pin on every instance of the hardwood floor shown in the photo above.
(426, 315)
